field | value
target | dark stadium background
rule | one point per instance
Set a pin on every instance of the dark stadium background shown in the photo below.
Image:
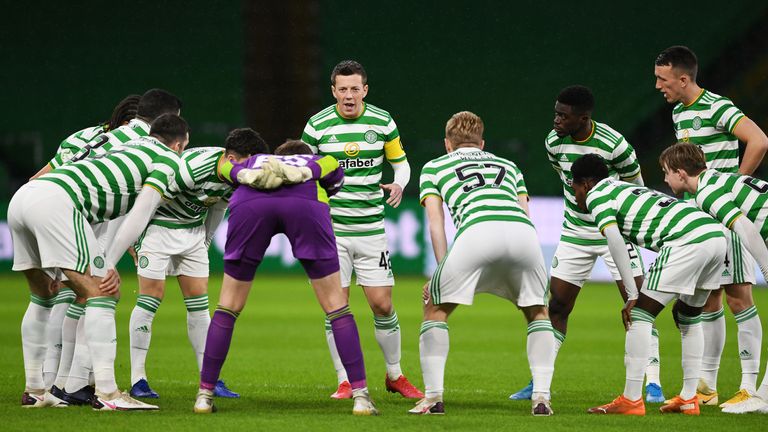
(266, 65)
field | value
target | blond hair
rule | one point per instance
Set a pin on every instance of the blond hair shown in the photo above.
(464, 127)
(685, 156)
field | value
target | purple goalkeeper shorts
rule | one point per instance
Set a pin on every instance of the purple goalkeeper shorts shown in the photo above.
(306, 223)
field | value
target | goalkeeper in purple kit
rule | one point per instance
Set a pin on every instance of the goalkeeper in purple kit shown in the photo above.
(299, 209)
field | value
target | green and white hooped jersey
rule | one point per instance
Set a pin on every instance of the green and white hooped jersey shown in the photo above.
(709, 123)
(477, 186)
(579, 227)
(648, 218)
(727, 196)
(360, 145)
(103, 143)
(188, 209)
(74, 143)
(105, 186)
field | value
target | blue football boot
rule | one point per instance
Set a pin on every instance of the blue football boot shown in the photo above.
(142, 390)
(222, 391)
(524, 394)
(653, 393)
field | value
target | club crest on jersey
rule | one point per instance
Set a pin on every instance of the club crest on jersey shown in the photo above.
(696, 124)
(352, 149)
(371, 137)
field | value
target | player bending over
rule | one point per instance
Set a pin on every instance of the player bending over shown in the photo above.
(496, 244)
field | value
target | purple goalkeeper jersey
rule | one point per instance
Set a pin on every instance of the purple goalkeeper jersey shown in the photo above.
(327, 178)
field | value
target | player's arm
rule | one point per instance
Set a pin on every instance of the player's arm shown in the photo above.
(433, 204)
(133, 225)
(332, 175)
(44, 170)
(393, 151)
(523, 199)
(624, 161)
(756, 144)
(618, 248)
(213, 219)
(753, 241)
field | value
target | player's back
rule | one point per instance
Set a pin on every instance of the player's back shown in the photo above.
(105, 186)
(719, 192)
(476, 186)
(648, 218)
(103, 143)
(72, 144)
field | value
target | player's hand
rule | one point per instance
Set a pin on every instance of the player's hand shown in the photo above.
(625, 313)
(395, 193)
(288, 173)
(132, 253)
(259, 178)
(425, 293)
(110, 285)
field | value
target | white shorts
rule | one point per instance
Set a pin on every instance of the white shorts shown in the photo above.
(49, 232)
(172, 252)
(573, 263)
(683, 269)
(500, 258)
(368, 256)
(739, 264)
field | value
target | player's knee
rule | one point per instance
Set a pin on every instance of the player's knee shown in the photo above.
(537, 312)
(714, 301)
(739, 304)
(559, 309)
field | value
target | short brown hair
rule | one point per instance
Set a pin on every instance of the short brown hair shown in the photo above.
(464, 127)
(347, 68)
(293, 147)
(685, 156)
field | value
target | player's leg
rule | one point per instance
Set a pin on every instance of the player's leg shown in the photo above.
(713, 322)
(343, 390)
(151, 293)
(53, 332)
(750, 335)
(77, 388)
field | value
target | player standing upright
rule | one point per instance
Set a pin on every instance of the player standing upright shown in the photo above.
(691, 247)
(176, 244)
(496, 251)
(575, 133)
(361, 136)
(716, 125)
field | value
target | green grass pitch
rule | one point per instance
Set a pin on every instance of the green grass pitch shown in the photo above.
(279, 362)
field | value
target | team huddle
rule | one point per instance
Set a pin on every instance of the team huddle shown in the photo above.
(131, 184)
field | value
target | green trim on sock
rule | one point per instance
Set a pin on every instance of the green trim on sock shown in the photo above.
(148, 302)
(101, 302)
(386, 322)
(688, 320)
(75, 311)
(712, 316)
(65, 295)
(655, 332)
(196, 303)
(641, 315)
(539, 325)
(746, 314)
(429, 325)
(327, 324)
(40, 301)
(560, 336)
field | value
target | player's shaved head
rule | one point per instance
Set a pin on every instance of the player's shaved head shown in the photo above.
(169, 128)
(124, 111)
(680, 58)
(347, 68)
(464, 128)
(589, 167)
(684, 156)
(243, 142)
(578, 97)
(156, 102)
(293, 147)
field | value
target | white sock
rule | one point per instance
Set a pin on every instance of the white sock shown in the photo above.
(433, 352)
(692, 335)
(750, 336)
(53, 342)
(81, 368)
(559, 339)
(102, 341)
(652, 371)
(341, 373)
(540, 348)
(713, 325)
(68, 338)
(140, 332)
(388, 336)
(33, 341)
(637, 348)
(198, 320)
(763, 390)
